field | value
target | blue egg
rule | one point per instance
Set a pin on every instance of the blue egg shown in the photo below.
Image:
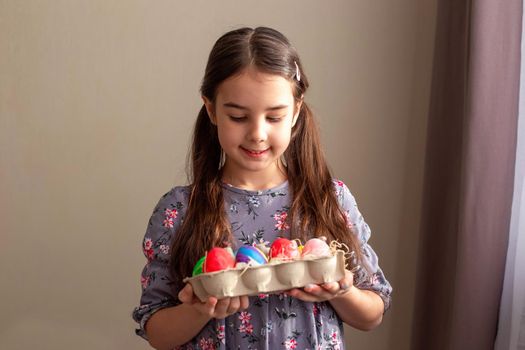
(250, 255)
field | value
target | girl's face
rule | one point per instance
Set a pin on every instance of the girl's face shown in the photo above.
(254, 113)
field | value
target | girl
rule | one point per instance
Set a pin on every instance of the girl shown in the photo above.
(257, 173)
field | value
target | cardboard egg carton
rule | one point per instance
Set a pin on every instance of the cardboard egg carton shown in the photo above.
(254, 280)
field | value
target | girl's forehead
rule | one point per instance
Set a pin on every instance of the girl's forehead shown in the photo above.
(255, 87)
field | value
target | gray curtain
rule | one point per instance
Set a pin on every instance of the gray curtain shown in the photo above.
(469, 174)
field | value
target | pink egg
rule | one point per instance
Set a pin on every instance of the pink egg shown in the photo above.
(316, 248)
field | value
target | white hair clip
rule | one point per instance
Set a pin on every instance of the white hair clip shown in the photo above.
(297, 71)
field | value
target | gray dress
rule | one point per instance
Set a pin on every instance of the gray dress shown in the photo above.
(272, 321)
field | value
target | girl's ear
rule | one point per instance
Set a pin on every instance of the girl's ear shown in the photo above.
(209, 109)
(297, 111)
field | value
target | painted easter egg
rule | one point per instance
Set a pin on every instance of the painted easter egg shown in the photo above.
(218, 259)
(197, 269)
(284, 249)
(250, 256)
(316, 248)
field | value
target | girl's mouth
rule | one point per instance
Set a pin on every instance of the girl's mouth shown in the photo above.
(254, 153)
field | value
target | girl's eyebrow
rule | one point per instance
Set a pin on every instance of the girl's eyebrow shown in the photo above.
(235, 105)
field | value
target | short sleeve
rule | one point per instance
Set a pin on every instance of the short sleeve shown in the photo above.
(158, 289)
(373, 280)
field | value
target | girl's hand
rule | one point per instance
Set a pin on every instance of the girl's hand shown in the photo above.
(323, 292)
(213, 307)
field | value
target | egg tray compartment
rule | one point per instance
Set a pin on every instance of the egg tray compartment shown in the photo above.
(268, 278)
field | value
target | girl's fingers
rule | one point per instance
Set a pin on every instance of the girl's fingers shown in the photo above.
(234, 305)
(221, 309)
(332, 287)
(302, 295)
(245, 302)
(186, 296)
(207, 308)
(316, 293)
(321, 292)
(211, 302)
(228, 306)
(215, 308)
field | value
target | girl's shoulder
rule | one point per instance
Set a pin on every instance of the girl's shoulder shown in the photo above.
(163, 223)
(176, 196)
(169, 209)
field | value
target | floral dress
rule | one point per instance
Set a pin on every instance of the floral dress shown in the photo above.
(272, 321)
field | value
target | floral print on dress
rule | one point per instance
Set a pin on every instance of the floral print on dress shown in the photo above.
(234, 207)
(267, 329)
(291, 342)
(252, 204)
(246, 329)
(221, 334)
(284, 315)
(148, 249)
(156, 246)
(272, 321)
(170, 215)
(144, 281)
(281, 217)
(256, 237)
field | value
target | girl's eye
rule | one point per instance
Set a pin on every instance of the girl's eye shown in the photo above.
(274, 119)
(237, 119)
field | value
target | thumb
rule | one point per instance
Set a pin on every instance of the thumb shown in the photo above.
(186, 294)
(347, 281)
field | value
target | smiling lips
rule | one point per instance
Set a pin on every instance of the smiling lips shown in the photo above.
(255, 153)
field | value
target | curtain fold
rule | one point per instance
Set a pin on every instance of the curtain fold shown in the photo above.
(511, 326)
(469, 173)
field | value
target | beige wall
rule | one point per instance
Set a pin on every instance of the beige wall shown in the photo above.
(96, 102)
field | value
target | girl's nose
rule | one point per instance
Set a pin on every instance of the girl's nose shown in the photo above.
(258, 132)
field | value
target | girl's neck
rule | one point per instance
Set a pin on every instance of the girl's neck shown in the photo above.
(254, 182)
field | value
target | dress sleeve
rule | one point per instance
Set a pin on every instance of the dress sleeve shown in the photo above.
(373, 279)
(158, 289)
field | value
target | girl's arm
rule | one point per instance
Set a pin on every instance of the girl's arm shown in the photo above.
(174, 326)
(359, 308)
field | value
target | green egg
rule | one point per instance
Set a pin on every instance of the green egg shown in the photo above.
(197, 269)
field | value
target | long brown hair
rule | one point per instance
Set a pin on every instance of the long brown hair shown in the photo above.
(314, 209)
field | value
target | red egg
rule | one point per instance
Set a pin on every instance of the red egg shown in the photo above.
(218, 259)
(284, 249)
